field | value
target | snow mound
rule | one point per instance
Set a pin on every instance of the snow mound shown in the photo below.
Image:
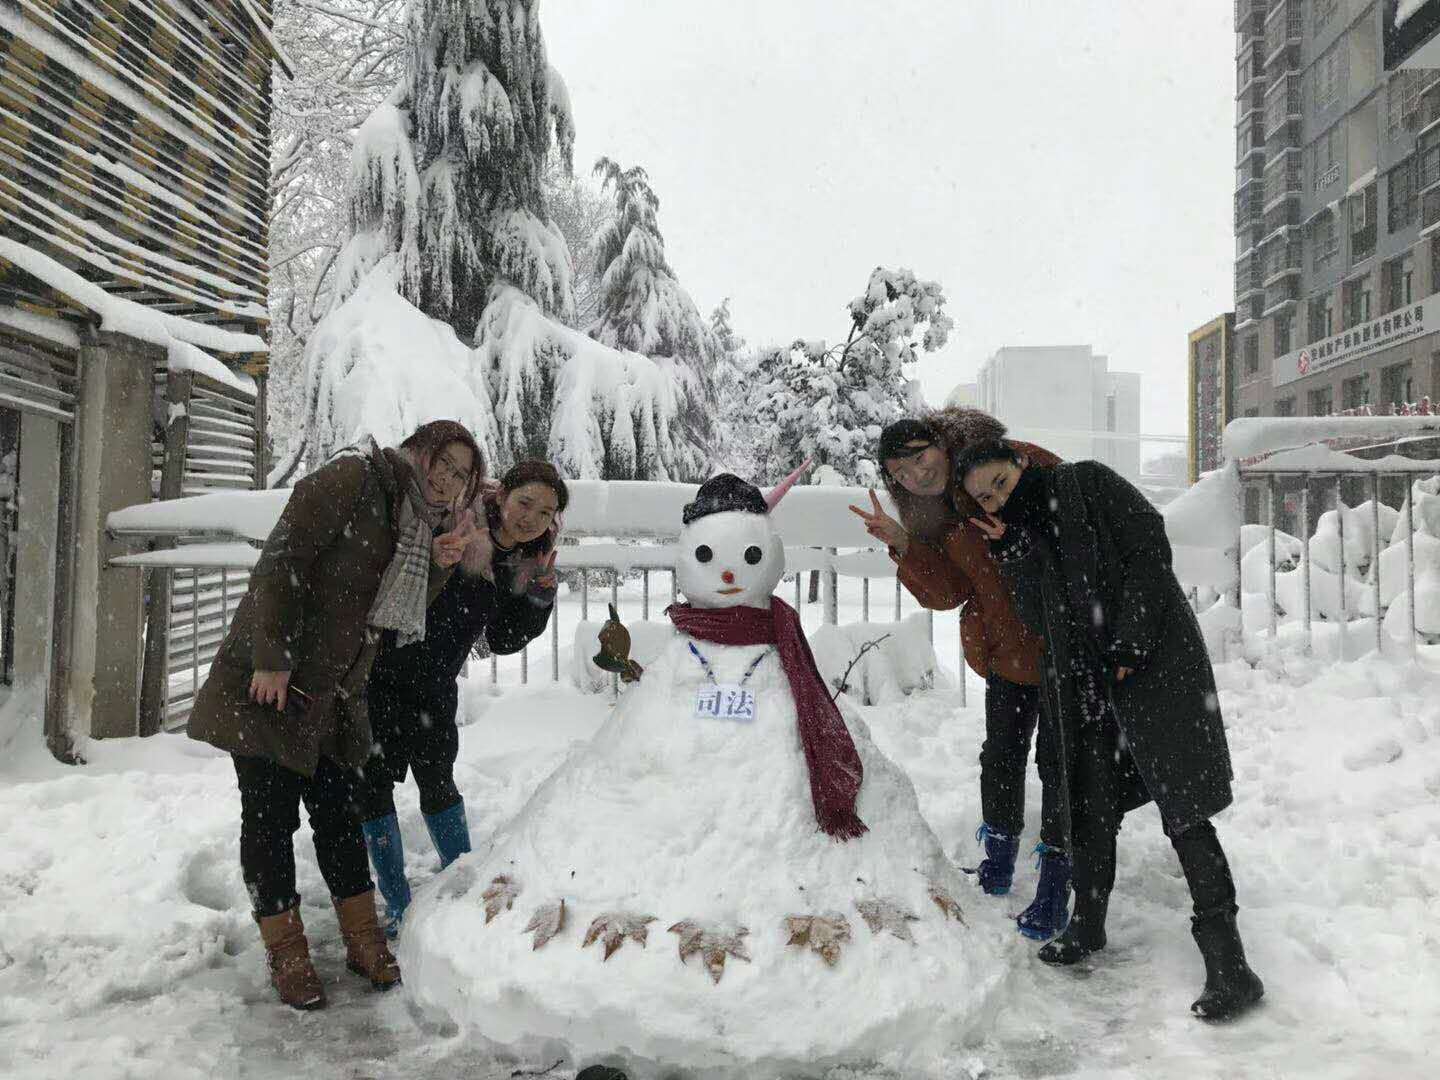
(661, 821)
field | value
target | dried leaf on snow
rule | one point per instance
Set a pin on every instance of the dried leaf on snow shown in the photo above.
(712, 943)
(822, 934)
(548, 920)
(613, 927)
(882, 915)
(500, 896)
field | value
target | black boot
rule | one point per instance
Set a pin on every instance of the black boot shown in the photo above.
(1230, 986)
(600, 1072)
(1093, 876)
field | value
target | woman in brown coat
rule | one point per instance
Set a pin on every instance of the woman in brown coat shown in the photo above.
(944, 566)
(355, 553)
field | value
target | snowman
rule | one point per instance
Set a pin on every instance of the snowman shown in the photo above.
(728, 877)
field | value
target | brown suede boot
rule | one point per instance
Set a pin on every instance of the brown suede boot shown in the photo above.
(291, 972)
(365, 950)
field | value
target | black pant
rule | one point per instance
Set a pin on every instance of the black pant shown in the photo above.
(270, 797)
(1011, 710)
(1101, 769)
(414, 730)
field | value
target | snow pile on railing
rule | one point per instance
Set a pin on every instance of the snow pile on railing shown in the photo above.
(1251, 438)
(1203, 525)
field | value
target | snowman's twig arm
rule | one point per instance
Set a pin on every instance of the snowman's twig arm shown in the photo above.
(845, 678)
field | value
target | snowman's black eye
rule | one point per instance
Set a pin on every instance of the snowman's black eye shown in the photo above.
(753, 555)
(703, 553)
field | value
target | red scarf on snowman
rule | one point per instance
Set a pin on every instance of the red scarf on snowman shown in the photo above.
(835, 768)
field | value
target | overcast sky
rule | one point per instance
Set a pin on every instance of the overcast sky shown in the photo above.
(1055, 165)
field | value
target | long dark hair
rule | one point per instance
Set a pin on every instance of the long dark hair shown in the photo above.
(982, 453)
(924, 517)
(429, 439)
(516, 477)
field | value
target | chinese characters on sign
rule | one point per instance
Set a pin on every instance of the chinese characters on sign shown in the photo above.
(724, 701)
(1371, 336)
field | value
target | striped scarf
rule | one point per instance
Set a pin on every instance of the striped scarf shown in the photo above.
(403, 594)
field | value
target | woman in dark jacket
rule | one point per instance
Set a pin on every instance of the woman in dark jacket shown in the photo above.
(946, 564)
(355, 554)
(1128, 690)
(505, 590)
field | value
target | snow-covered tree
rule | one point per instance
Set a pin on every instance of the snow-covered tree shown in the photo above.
(453, 295)
(642, 305)
(720, 325)
(347, 56)
(580, 211)
(831, 403)
(448, 172)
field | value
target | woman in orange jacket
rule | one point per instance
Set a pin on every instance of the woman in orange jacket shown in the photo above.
(945, 566)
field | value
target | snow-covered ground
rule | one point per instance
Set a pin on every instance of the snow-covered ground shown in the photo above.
(127, 948)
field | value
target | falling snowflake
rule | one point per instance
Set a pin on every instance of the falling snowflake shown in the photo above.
(548, 920)
(500, 896)
(614, 927)
(712, 944)
(822, 934)
(882, 915)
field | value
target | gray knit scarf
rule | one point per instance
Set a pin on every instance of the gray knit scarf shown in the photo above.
(401, 600)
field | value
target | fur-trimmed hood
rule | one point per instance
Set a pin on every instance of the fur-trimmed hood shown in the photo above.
(955, 428)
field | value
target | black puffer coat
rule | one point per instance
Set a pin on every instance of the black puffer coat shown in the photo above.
(412, 691)
(1090, 571)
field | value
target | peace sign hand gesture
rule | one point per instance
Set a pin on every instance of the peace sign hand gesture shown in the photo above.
(990, 525)
(882, 526)
(546, 577)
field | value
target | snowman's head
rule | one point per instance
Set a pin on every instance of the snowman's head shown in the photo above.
(729, 554)
(730, 559)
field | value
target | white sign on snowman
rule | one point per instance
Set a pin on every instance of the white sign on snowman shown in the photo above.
(728, 800)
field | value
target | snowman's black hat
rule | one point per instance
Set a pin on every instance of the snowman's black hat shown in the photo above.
(723, 493)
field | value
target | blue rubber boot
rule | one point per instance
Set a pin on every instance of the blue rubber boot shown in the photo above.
(997, 869)
(387, 856)
(450, 831)
(1049, 913)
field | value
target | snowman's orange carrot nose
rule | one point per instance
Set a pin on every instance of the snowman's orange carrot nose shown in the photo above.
(728, 578)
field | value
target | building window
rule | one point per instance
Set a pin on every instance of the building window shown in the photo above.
(1250, 350)
(1355, 393)
(1397, 385)
(1398, 281)
(1324, 12)
(1404, 195)
(1403, 93)
(1356, 301)
(1325, 159)
(1285, 406)
(1283, 324)
(1252, 412)
(1325, 239)
(1322, 317)
(1110, 413)
(1321, 402)
(1330, 71)
(1361, 211)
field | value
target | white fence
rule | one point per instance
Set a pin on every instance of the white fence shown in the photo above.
(206, 548)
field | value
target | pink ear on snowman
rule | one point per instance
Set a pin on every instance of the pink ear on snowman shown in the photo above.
(778, 492)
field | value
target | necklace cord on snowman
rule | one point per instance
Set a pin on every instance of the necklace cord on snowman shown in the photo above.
(832, 761)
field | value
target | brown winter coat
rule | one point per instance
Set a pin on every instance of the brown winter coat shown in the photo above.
(306, 612)
(948, 563)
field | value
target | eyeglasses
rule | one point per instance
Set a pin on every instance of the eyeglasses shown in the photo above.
(453, 471)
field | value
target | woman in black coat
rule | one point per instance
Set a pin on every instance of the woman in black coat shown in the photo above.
(1127, 687)
(505, 590)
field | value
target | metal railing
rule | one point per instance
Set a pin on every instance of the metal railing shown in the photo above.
(1284, 493)
(206, 582)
